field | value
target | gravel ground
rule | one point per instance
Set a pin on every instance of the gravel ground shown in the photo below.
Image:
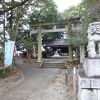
(59, 89)
(11, 81)
(39, 84)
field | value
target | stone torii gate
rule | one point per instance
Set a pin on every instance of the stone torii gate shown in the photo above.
(71, 25)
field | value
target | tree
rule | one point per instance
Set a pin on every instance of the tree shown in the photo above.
(12, 5)
(77, 39)
(45, 11)
(73, 12)
(93, 8)
(12, 12)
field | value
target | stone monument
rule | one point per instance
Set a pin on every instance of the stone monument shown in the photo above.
(89, 79)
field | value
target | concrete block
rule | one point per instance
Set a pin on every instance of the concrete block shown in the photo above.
(86, 82)
(83, 81)
(95, 83)
(92, 67)
(88, 94)
(88, 88)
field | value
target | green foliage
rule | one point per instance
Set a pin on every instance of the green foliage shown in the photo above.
(90, 3)
(1, 53)
(87, 18)
(73, 12)
(4, 74)
(12, 34)
(92, 7)
(46, 11)
(78, 39)
(29, 44)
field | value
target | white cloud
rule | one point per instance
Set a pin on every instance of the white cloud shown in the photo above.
(64, 4)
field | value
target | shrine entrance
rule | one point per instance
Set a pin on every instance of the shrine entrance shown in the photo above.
(69, 27)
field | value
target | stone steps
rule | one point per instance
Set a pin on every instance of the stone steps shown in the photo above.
(53, 65)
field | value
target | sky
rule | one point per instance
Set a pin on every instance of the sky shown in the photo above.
(64, 4)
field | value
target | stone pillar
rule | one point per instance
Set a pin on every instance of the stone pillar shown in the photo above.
(89, 78)
(39, 44)
(82, 53)
(70, 49)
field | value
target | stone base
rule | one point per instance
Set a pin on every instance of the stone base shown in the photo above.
(85, 82)
(89, 88)
(88, 94)
(92, 67)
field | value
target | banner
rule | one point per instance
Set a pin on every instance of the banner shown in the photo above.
(9, 50)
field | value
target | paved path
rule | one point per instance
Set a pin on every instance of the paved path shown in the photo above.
(36, 81)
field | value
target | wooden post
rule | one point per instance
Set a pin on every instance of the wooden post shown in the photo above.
(39, 44)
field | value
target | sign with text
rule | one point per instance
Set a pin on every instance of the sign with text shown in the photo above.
(9, 50)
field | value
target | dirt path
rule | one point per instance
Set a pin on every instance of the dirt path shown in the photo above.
(40, 84)
(36, 80)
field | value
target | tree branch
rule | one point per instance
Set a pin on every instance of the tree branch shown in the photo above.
(13, 7)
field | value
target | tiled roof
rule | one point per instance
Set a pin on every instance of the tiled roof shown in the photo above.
(58, 42)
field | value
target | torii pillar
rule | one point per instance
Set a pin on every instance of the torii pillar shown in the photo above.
(70, 49)
(39, 44)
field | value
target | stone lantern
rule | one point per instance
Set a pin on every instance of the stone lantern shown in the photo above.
(89, 78)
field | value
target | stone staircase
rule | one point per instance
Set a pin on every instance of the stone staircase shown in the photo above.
(54, 62)
(53, 65)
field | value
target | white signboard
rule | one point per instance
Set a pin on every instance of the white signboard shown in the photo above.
(9, 50)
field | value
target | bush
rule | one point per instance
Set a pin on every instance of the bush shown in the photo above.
(3, 74)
